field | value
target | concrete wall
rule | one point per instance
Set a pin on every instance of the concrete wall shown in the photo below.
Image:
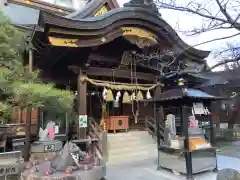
(2, 3)
(20, 15)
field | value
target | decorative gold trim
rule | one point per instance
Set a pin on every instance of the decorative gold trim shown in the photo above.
(63, 42)
(135, 35)
(101, 11)
(142, 33)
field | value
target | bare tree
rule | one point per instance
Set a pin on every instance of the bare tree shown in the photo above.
(216, 15)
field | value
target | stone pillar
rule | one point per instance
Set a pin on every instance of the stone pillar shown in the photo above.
(82, 103)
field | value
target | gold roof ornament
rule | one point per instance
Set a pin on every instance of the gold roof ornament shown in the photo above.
(148, 95)
(181, 82)
(126, 98)
(109, 97)
(139, 95)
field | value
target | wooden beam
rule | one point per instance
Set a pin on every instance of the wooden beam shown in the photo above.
(96, 71)
(82, 104)
(100, 58)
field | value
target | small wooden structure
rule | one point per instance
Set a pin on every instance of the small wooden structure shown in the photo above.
(188, 152)
(115, 123)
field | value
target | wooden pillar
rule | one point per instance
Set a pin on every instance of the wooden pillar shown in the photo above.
(82, 103)
(28, 117)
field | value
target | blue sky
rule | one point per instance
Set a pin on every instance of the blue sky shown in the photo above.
(186, 21)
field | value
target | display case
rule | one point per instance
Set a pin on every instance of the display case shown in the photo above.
(61, 128)
(184, 148)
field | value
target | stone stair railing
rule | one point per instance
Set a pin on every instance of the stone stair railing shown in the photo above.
(96, 132)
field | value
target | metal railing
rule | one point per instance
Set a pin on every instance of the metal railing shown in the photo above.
(151, 127)
(227, 134)
(96, 132)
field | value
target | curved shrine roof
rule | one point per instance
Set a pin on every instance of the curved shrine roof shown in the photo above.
(183, 93)
(132, 15)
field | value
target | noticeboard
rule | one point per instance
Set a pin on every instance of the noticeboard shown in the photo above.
(83, 121)
(10, 163)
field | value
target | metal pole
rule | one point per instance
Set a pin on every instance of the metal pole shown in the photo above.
(156, 115)
(187, 153)
(212, 135)
(28, 116)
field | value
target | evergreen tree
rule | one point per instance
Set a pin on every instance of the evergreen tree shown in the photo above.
(19, 87)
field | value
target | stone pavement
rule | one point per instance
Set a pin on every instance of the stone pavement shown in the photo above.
(146, 170)
(231, 149)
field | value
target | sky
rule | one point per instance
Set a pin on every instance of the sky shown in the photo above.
(186, 21)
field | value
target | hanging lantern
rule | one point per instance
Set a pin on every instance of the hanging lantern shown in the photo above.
(133, 96)
(126, 98)
(140, 95)
(109, 96)
(180, 82)
(148, 95)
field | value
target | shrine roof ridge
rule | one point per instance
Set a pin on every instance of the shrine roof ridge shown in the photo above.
(91, 7)
(183, 93)
(120, 17)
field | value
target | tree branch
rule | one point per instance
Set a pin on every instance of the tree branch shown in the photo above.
(225, 62)
(217, 39)
(185, 9)
(228, 17)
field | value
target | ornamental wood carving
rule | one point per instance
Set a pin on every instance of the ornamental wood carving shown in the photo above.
(63, 42)
(101, 11)
(141, 33)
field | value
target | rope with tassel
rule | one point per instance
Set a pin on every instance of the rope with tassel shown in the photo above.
(120, 86)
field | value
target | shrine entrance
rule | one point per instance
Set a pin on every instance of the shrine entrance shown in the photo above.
(118, 111)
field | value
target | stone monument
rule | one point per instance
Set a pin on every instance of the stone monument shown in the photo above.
(69, 163)
(47, 145)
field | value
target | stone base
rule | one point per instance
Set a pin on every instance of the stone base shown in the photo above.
(43, 156)
(46, 146)
(96, 173)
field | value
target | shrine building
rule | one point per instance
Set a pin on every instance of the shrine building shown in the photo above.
(111, 56)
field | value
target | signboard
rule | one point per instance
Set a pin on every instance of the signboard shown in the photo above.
(198, 108)
(83, 121)
(21, 143)
(56, 129)
(77, 157)
(49, 148)
(18, 144)
(10, 163)
(9, 170)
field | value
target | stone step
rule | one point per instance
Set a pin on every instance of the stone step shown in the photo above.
(134, 138)
(128, 134)
(131, 146)
(128, 143)
(130, 149)
(131, 157)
